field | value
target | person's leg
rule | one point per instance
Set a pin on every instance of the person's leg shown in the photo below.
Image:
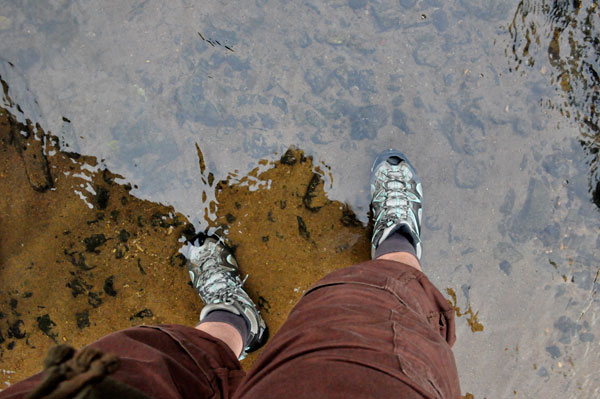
(226, 332)
(379, 329)
(399, 249)
(168, 361)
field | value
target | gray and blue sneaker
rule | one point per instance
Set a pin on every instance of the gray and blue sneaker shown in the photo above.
(216, 278)
(397, 196)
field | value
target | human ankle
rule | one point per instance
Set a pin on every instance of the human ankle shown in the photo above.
(403, 257)
(226, 333)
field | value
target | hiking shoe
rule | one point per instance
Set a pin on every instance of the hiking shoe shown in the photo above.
(216, 278)
(396, 200)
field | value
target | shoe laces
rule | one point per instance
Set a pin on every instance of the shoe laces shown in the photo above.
(225, 286)
(395, 193)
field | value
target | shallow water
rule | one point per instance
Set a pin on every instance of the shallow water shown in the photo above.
(496, 110)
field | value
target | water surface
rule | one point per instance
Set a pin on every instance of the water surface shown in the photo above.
(495, 102)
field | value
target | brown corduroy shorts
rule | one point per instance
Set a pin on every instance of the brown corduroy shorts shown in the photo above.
(378, 329)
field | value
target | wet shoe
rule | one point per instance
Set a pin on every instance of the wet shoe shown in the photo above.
(216, 278)
(396, 200)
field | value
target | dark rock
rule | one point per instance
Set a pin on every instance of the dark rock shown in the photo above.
(114, 215)
(596, 194)
(45, 324)
(542, 372)
(408, 3)
(159, 219)
(124, 235)
(568, 329)
(142, 314)
(94, 299)
(535, 213)
(317, 83)
(468, 173)
(554, 351)
(230, 218)
(302, 230)
(310, 194)
(287, 159)
(466, 289)
(314, 120)
(14, 302)
(305, 40)
(83, 319)
(550, 235)
(101, 197)
(94, 241)
(439, 20)
(280, 103)
(267, 121)
(507, 251)
(349, 217)
(14, 330)
(497, 10)
(263, 304)
(586, 337)
(265, 239)
(78, 286)
(11, 345)
(399, 120)
(139, 263)
(363, 79)
(556, 165)
(508, 203)
(366, 122)
(506, 267)
(398, 101)
(78, 259)
(109, 287)
(357, 4)
(385, 17)
(208, 115)
(178, 259)
(27, 295)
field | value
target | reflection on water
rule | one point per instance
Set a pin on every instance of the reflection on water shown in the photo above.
(567, 33)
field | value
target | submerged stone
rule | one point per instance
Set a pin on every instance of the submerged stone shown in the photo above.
(468, 173)
(109, 287)
(536, 211)
(94, 241)
(82, 319)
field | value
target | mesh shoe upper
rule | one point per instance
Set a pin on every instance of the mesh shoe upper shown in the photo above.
(397, 198)
(215, 276)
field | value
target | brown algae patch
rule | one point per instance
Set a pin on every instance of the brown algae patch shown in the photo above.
(472, 316)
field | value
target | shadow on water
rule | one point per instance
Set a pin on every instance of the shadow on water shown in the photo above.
(566, 32)
(82, 257)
